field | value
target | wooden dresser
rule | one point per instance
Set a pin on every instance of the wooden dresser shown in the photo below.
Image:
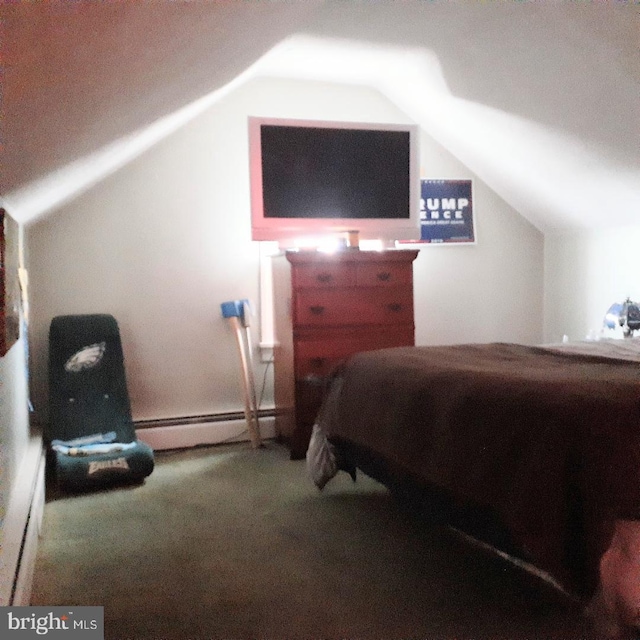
(328, 307)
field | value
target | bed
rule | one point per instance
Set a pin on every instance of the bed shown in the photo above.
(532, 450)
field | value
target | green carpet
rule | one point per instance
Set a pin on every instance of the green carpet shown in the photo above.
(230, 543)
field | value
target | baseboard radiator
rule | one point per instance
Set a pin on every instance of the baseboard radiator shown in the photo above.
(193, 431)
(21, 527)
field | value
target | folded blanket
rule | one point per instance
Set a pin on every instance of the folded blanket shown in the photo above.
(91, 445)
(92, 449)
(96, 438)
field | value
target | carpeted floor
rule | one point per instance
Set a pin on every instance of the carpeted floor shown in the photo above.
(230, 543)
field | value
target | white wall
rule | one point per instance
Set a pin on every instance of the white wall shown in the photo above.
(14, 438)
(164, 241)
(586, 272)
(488, 292)
(14, 417)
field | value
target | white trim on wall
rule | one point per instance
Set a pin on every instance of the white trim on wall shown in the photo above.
(207, 432)
(22, 527)
(26, 570)
(267, 329)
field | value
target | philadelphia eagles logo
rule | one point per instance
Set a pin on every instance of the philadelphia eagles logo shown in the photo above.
(86, 358)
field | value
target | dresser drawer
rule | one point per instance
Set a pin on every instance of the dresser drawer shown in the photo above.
(308, 402)
(383, 275)
(324, 275)
(357, 307)
(316, 358)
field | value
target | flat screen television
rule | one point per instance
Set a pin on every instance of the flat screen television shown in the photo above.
(318, 178)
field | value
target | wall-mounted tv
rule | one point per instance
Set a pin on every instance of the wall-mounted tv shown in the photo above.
(311, 178)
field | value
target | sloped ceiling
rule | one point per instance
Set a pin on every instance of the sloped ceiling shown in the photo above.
(539, 99)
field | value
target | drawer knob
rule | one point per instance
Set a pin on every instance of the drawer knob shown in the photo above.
(317, 310)
(324, 278)
(384, 276)
(394, 306)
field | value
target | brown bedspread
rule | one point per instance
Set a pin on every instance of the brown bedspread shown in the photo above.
(549, 441)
